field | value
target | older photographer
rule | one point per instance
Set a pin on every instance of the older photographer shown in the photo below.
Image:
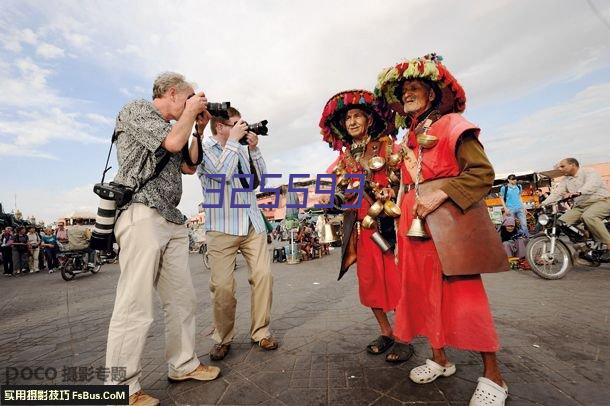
(152, 236)
(231, 228)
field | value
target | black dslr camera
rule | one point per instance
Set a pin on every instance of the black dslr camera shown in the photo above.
(218, 109)
(259, 128)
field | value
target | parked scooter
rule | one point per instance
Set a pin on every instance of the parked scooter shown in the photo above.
(552, 252)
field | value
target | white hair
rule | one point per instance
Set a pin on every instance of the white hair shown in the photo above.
(167, 80)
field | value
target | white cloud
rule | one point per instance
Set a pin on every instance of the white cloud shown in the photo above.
(100, 119)
(49, 51)
(577, 127)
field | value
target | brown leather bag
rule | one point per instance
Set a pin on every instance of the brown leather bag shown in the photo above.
(467, 242)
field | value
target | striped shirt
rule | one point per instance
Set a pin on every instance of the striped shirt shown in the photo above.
(229, 219)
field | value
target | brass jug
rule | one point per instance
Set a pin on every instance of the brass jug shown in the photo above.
(394, 160)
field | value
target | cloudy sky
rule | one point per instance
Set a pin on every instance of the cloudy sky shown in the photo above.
(537, 78)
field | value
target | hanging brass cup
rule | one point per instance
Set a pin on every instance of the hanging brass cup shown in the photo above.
(376, 163)
(375, 209)
(426, 140)
(391, 209)
(368, 222)
(394, 160)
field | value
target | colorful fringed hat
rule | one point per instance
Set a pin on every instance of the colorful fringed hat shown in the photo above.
(333, 130)
(428, 68)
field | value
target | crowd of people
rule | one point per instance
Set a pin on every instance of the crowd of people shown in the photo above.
(34, 249)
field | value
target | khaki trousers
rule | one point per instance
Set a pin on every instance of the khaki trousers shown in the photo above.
(222, 251)
(592, 214)
(154, 255)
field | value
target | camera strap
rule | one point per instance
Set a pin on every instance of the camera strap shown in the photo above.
(186, 156)
(243, 181)
(161, 155)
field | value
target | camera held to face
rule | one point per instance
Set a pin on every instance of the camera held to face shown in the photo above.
(219, 109)
(259, 128)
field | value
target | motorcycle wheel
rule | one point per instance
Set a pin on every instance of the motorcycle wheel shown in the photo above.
(98, 263)
(66, 273)
(545, 267)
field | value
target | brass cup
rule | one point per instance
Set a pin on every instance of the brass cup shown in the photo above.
(368, 222)
(394, 160)
(426, 140)
(355, 184)
(375, 209)
(391, 209)
(376, 163)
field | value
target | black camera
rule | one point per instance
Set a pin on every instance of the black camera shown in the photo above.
(219, 109)
(259, 128)
(111, 195)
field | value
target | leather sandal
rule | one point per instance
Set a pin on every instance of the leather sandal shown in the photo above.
(268, 343)
(219, 351)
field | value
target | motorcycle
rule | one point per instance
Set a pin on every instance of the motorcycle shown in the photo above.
(552, 252)
(72, 263)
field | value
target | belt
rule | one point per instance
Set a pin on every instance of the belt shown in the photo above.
(408, 188)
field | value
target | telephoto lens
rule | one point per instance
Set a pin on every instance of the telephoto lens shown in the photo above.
(101, 237)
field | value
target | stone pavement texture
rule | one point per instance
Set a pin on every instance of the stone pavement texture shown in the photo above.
(554, 335)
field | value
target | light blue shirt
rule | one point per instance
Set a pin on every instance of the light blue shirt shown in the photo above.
(513, 196)
(219, 160)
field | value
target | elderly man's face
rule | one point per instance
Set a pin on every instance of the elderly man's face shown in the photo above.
(178, 100)
(416, 96)
(566, 168)
(357, 123)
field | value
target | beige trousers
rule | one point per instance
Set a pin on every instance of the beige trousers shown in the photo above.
(154, 255)
(592, 214)
(222, 251)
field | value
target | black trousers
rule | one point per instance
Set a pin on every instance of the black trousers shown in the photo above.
(7, 260)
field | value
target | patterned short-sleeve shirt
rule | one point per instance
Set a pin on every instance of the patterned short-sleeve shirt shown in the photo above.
(140, 130)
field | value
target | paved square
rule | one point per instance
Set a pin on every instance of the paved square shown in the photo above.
(555, 338)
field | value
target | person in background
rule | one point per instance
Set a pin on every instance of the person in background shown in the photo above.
(513, 240)
(20, 251)
(542, 196)
(49, 245)
(6, 240)
(62, 235)
(34, 249)
(510, 195)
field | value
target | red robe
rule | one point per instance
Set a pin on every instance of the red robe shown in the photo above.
(449, 311)
(378, 276)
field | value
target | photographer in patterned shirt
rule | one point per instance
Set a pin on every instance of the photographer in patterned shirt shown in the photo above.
(153, 238)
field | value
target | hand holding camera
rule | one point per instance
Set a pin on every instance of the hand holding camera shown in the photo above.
(239, 130)
(196, 104)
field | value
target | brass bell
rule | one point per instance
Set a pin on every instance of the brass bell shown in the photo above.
(394, 160)
(426, 140)
(328, 234)
(391, 209)
(417, 229)
(376, 163)
(368, 222)
(375, 209)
